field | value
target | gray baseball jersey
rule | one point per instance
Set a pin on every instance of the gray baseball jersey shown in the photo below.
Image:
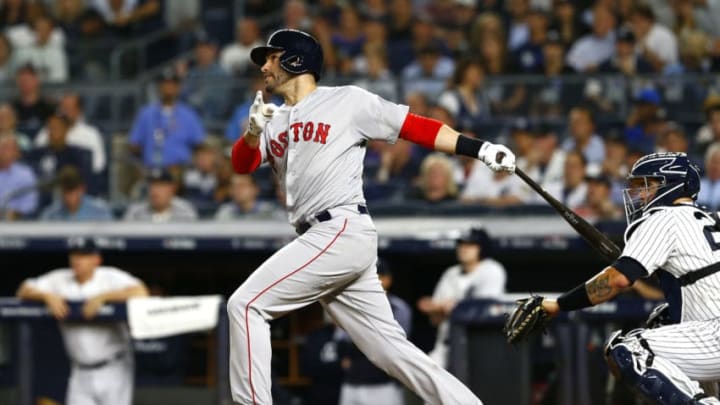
(317, 146)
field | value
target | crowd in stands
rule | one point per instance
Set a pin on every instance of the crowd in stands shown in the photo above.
(578, 89)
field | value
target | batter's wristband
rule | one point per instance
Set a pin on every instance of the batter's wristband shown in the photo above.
(467, 146)
(577, 298)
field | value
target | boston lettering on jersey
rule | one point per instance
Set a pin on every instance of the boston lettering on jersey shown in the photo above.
(305, 131)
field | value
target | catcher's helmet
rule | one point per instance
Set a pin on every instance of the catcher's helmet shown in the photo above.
(677, 178)
(301, 52)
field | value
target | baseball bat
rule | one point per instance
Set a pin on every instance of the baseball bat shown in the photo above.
(606, 247)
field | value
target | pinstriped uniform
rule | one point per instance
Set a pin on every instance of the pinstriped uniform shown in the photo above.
(680, 239)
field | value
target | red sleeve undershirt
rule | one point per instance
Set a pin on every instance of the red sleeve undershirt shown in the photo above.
(420, 130)
(244, 158)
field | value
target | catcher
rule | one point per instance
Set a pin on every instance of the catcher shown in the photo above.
(666, 230)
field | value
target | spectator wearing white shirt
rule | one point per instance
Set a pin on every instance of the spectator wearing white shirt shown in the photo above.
(546, 163)
(234, 58)
(80, 133)
(583, 137)
(590, 51)
(47, 57)
(709, 194)
(493, 189)
(655, 42)
(476, 275)
(573, 190)
(101, 353)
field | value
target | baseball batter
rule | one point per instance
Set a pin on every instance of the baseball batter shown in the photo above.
(101, 353)
(315, 143)
(666, 230)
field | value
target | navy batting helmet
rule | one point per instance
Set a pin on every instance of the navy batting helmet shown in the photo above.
(301, 52)
(676, 176)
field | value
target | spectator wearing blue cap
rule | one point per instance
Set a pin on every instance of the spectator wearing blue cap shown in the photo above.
(165, 133)
(642, 125)
(476, 275)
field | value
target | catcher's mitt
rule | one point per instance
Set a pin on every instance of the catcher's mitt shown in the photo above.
(527, 319)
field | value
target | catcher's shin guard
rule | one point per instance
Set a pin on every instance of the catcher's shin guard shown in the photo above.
(632, 361)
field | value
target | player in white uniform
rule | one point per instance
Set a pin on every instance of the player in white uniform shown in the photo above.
(476, 276)
(315, 144)
(667, 231)
(101, 353)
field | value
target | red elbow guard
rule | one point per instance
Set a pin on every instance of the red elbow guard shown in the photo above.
(420, 130)
(244, 158)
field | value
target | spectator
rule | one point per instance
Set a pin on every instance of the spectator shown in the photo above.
(476, 275)
(49, 160)
(706, 14)
(655, 42)
(546, 163)
(598, 205)
(400, 161)
(550, 96)
(13, 12)
(522, 140)
(31, 107)
(73, 203)
(124, 15)
(245, 203)
(583, 137)
(205, 86)
(590, 51)
(165, 133)
(349, 39)
(7, 62)
(47, 57)
(100, 353)
(529, 56)
(436, 183)
(8, 125)
(492, 189)
(374, 9)
(428, 72)
(401, 20)
(694, 53)
(235, 57)
(18, 197)
(710, 132)
(377, 78)
(567, 21)
(614, 166)
(295, 15)
(625, 60)
(80, 134)
(709, 195)
(641, 127)
(573, 190)
(163, 205)
(519, 30)
(465, 98)
(487, 25)
(199, 181)
(363, 382)
(673, 139)
(239, 120)
(504, 98)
